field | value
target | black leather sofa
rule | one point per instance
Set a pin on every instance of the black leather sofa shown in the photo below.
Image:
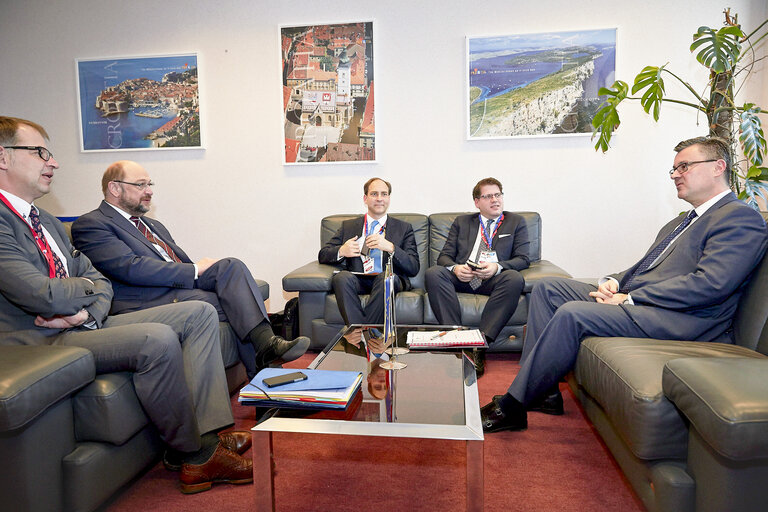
(686, 421)
(70, 438)
(319, 315)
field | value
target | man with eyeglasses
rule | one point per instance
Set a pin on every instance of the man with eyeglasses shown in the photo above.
(363, 246)
(686, 287)
(147, 268)
(50, 294)
(483, 254)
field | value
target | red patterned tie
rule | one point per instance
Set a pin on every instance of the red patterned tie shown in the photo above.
(152, 238)
(34, 220)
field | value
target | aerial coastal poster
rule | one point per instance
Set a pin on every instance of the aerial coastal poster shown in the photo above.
(328, 109)
(537, 84)
(133, 103)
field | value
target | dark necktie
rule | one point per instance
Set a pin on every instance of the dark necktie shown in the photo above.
(152, 238)
(657, 251)
(34, 220)
(476, 281)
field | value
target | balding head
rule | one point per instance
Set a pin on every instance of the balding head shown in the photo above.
(128, 186)
(116, 172)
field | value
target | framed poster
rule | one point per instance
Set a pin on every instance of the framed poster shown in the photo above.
(139, 103)
(328, 107)
(542, 84)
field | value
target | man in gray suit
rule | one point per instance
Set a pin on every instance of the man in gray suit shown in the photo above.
(686, 287)
(50, 294)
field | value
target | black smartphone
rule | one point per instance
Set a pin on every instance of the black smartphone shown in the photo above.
(288, 378)
(474, 266)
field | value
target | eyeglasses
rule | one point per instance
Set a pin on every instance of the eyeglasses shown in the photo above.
(141, 186)
(43, 152)
(683, 167)
(488, 197)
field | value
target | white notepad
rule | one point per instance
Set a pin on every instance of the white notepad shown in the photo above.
(455, 338)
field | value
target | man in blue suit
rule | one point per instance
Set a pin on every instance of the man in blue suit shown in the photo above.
(686, 287)
(147, 268)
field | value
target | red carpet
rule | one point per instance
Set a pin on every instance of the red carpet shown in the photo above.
(559, 464)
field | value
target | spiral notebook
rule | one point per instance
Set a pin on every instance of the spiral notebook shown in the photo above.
(454, 338)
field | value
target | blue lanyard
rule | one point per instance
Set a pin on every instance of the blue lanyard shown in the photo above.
(489, 241)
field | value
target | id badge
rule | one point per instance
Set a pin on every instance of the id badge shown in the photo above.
(368, 264)
(488, 257)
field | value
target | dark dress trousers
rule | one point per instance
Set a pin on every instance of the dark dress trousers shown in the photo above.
(161, 346)
(142, 278)
(347, 286)
(511, 245)
(690, 293)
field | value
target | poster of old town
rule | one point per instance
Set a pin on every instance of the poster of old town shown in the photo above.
(328, 93)
(537, 84)
(133, 103)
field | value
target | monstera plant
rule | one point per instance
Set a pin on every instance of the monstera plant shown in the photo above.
(730, 56)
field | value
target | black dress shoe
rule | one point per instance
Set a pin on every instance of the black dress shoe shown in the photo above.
(279, 350)
(550, 404)
(496, 419)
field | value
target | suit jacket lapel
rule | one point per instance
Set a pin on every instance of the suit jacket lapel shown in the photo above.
(471, 235)
(127, 226)
(687, 233)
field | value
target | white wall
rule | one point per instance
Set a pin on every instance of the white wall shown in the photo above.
(600, 211)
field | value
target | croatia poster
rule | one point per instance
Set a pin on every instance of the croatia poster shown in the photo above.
(139, 103)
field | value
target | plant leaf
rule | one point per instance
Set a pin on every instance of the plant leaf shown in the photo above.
(606, 119)
(650, 79)
(757, 174)
(751, 134)
(719, 50)
(752, 189)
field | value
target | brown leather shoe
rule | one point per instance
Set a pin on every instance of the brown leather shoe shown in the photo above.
(224, 466)
(236, 441)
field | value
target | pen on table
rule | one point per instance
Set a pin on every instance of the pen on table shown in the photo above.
(439, 335)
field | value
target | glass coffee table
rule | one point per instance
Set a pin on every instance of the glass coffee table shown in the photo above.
(434, 397)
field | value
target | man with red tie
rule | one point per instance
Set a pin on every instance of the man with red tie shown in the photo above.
(147, 268)
(50, 294)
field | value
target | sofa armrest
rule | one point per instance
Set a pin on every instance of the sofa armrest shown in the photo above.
(263, 288)
(312, 277)
(36, 377)
(726, 399)
(541, 269)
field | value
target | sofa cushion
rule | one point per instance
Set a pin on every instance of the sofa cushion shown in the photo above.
(472, 306)
(624, 376)
(726, 399)
(409, 308)
(36, 377)
(108, 410)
